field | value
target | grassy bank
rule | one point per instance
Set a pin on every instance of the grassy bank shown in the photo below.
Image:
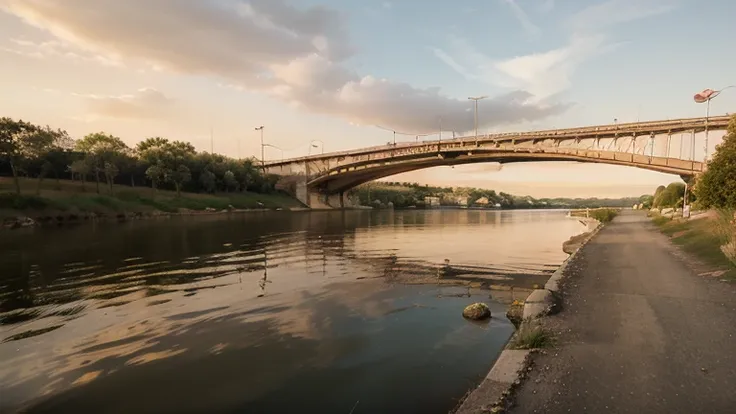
(71, 198)
(702, 238)
(604, 215)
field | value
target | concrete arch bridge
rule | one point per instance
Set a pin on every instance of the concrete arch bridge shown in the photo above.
(321, 181)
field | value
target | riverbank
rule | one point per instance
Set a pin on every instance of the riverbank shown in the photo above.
(639, 331)
(494, 393)
(704, 238)
(69, 201)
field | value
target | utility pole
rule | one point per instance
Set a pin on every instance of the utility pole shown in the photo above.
(476, 99)
(263, 153)
(212, 141)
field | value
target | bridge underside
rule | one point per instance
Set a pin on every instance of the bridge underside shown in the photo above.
(339, 180)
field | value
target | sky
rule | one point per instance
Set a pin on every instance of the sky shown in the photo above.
(343, 71)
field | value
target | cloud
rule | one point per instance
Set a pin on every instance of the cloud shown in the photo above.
(543, 75)
(296, 54)
(612, 12)
(55, 48)
(546, 6)
(144, 103)
(530, 28)
(549, 73)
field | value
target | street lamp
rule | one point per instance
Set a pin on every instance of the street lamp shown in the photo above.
(705, 97)
(263, 162)
(312, 145)
(476, 99)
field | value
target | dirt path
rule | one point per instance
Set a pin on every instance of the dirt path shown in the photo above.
(639, 333)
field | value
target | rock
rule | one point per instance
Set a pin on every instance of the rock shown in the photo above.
(477, 311)
(515, 313)
(539, 303)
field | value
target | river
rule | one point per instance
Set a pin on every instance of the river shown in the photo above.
(329, 312)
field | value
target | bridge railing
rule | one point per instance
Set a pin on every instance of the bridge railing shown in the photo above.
(468, 142)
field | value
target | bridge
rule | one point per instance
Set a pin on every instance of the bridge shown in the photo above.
(321, 181)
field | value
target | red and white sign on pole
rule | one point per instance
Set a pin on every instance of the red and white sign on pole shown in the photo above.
(705, 96)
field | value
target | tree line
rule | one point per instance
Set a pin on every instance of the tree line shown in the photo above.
(406, 194)
(100, 159)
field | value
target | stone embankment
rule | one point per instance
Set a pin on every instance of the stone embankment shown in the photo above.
(491, 396)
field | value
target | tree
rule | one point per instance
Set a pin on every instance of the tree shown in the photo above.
(179, 176)
(716, 188)
(207, 180)
(671, 196)
(111, 171)
(80, 168)
(22, 141)
(230, 181)
(156, 174)
(102, 149)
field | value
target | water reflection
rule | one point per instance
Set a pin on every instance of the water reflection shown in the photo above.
(257, 312)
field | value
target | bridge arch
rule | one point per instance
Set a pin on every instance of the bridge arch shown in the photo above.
(321, 180)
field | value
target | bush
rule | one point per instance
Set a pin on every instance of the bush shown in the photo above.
(22, 202)
(532, 336)
(604, 215)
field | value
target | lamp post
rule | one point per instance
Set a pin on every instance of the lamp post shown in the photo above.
(476, 99)
(705, 97)
(311, 145)
(263, 153)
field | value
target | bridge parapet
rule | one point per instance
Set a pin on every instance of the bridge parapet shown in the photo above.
(321, 180)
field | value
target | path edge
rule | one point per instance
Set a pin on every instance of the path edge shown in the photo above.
(512, 365)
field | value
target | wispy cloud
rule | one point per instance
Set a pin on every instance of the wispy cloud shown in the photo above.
(546, 6)
(144, 103)
(530, 28)
(542, 74)
(547, 73)
(613, 12)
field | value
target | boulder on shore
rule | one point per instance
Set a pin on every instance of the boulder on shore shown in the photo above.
(477, 311)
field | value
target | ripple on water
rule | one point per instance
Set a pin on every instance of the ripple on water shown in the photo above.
(108, 308)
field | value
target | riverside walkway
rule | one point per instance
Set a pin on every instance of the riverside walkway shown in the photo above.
(639, 333)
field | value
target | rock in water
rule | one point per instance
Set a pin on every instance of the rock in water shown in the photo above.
(477, 311)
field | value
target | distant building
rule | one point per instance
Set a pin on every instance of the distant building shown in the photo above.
(462, 200)
(483, 201)
(432, 201)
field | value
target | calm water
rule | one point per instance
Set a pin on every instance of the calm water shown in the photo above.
(264, 312)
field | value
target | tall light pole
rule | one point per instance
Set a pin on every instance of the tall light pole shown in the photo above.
(263, 153)
(311, 145)
(705, 97)
(476, 99)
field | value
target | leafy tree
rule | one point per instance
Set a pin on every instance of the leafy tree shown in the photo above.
(230, 181)
(102, 149)
(156, 174)
(179, 176)
(80, 168)
(21, 142)
(111, 171)
(207, 180)
(716, 187)
(671, 196)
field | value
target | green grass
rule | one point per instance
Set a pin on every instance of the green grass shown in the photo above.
(531, 335)
(71, 197)
(702, 238)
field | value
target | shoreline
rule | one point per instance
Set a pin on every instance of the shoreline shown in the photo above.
(512, 365)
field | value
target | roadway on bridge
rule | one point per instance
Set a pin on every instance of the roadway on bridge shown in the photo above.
(640, 333)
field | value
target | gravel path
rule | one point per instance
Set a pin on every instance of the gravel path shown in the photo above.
(639, 333)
